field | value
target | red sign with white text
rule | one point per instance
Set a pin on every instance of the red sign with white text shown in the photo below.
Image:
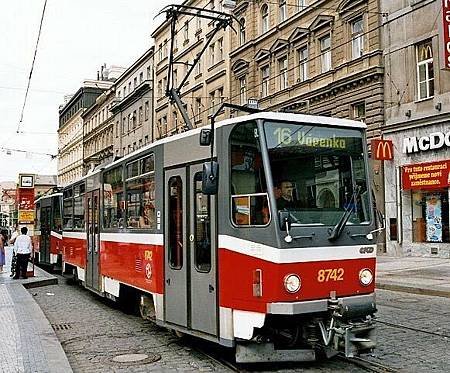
(25, 198)
(382, 150)
(445, 35)
(432, 175)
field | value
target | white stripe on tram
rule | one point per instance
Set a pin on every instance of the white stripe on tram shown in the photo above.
(79, 235)
(139, 238)
(57, 235)
(294, 255)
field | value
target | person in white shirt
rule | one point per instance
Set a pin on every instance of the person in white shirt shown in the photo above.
(22, 248)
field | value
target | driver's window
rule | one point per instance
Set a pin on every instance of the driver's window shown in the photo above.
(248, 182)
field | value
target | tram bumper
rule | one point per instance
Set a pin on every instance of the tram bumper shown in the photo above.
(349, 326)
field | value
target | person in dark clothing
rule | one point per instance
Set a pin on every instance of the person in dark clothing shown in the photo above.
(286, 198)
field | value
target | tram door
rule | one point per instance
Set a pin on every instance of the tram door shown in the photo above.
(44, 247)
(190, 273)
(93, 240)
(202, 249)
(175, 222)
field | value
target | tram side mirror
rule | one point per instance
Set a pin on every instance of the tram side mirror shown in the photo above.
(210, 179)
(285, 221)
(205, 137)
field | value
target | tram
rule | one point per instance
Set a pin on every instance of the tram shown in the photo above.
(47, 238)
(230, 261)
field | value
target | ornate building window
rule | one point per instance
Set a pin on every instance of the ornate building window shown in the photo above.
(425, 71)
(357, 38)
(264, 18)
(282, 10)
(283, 72)
(242, 32)
(301, 4)
(303, 64)
(243, 90)
(265, 73)
(325, 53)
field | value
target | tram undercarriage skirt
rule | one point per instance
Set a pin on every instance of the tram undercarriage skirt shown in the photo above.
(265, 352)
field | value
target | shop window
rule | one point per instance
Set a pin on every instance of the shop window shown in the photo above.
(248, 182)
(430, 214)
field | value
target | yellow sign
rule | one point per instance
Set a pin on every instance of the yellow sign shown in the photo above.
(26, 216)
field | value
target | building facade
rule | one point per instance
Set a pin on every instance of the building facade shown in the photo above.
(312, 57)
(417, 92)
(98, 132)
(132, 107)
(208, 84)
(70, 131)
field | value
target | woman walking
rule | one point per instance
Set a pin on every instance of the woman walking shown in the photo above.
(3, 243)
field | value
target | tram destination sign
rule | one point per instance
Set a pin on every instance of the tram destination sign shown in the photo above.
(432, 175)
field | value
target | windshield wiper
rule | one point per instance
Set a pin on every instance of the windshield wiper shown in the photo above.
(339, 227)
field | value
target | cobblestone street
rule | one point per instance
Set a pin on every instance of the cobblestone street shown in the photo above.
(93, 332)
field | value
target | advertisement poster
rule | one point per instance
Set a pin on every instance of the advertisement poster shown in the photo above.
(434, 218)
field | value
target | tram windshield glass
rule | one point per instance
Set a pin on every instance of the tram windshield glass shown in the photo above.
(318, 172)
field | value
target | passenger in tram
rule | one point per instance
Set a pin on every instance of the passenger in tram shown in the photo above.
(285, 196)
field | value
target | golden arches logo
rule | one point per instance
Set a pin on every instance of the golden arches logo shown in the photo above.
(384, 150)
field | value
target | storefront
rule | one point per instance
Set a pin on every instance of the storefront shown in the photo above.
(417, 192)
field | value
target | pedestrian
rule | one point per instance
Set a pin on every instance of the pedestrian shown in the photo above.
(3, 243)
(22, 247)
(14, 235)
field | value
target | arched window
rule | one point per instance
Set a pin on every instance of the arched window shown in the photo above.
(242, 32)
(264, 18)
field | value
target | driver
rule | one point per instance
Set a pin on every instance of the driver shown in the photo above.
(286, 195)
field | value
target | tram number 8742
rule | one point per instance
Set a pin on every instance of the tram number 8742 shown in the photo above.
(331, 274)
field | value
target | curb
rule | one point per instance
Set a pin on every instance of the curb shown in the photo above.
(39, 283)
(414, 290)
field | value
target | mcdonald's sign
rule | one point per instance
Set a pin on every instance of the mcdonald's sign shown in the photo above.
(382, 150)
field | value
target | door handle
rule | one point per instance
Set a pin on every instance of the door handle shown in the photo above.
(211, 288)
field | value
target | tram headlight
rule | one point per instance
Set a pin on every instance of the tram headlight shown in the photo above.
(365, 277)
(292, 283)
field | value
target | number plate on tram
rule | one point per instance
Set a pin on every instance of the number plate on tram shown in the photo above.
(330, 274)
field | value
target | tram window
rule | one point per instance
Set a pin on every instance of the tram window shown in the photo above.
(248, 181)
(141, 202)
(68, 214)
(175, 231)
(57, 223)
(202, 227)
(140, 192)
(113, 202)
(78, 207)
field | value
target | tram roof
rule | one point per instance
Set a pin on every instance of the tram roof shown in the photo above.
(48, 196)
(265, 115)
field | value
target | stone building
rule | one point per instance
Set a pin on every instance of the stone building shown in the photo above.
(208, 84)
(132, 107)
(98, 132)
(417, 94)
(70, 131)
(312, 57)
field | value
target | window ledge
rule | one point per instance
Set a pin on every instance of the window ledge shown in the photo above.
(423, 99)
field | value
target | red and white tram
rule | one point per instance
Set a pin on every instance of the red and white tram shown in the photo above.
(47, 238)
(279, 262)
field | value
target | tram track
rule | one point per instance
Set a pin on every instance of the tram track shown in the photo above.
(367, 365)
(399, 326)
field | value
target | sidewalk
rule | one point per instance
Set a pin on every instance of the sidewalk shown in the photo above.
(29, 344)
(429, 276)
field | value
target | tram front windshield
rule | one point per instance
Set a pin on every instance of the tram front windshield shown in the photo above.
(318, 172)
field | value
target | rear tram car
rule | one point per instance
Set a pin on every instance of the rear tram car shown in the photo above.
(279, 262)
(47, 238)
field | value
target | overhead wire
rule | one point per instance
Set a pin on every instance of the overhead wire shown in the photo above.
(32, 66)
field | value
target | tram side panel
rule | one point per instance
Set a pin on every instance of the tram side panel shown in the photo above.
(74, 251)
